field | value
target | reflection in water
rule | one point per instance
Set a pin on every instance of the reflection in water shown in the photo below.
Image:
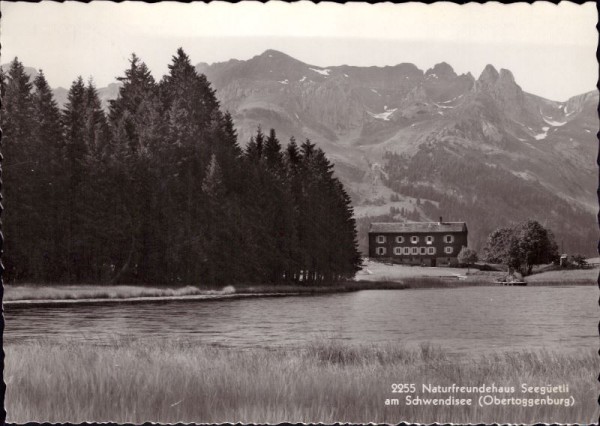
(463, 320)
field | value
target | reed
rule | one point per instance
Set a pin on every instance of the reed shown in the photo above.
(83, 291)
(323, 381)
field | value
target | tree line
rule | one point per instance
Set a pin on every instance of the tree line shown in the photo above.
(158, 190)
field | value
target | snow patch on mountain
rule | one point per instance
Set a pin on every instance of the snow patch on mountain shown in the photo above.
(284, 81)
(553, 123)
(451, 100)
(383, 115)
(523, 175)
(543, 135)
(303, 78)
(324, 72)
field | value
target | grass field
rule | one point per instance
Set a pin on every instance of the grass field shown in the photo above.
(377, 271)
(321, 382)
(572, 276)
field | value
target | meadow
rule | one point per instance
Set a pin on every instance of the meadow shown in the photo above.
(324, 381)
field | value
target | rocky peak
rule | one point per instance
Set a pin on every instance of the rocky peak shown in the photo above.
(271, 53)
(506, 76)
(275, 56)
(499, 84)
(488, 76)
(442, 70)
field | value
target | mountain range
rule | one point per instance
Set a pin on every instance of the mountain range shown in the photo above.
(414, 145)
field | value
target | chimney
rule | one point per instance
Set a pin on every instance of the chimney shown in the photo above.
(441, 220)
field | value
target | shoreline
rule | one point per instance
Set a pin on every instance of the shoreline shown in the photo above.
(84, 294)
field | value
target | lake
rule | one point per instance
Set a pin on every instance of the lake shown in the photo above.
(464, 321)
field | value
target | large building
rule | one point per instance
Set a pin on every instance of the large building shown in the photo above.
(418, 243)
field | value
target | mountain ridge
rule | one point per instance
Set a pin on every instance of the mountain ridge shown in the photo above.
(358, 115)
(375, 122)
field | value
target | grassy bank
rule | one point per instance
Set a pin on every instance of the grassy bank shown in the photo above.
(89, 291)
(377, 271)
(561, 276)
(320, 382)
(97, 292)
(374, 276)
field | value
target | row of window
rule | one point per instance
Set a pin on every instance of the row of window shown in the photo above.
(381, 239)
(406, 251)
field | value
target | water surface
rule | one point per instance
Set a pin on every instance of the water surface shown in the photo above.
(465, 321)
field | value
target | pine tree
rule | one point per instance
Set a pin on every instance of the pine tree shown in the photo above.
(272, 153)
(48, 253)
(77, 162)
(254, 149)
(19, 170)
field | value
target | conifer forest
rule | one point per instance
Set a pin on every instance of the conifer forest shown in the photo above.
(158, 190)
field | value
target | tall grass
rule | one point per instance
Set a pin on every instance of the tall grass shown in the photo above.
(325, 381)
(15, 293)
(95, 292)
(71, 292)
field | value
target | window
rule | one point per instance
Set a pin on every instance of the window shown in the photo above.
(380, 251)
(423, 250)
(381, 239)
(414, 239)
(399, 240)
(448, 239)
(415, 250)
(448, 250)
(397, 251)
(429, 239)
(430, 250)
(406, 250)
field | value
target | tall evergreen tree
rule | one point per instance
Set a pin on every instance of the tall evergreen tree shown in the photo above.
(49, 144)
(19, 170)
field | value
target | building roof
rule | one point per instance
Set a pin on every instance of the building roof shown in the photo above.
(415, 227)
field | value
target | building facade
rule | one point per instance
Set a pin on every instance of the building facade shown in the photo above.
(418, 243)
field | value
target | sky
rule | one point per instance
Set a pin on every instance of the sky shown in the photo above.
(549, 48)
